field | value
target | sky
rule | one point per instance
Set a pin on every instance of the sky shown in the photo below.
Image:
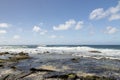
(79, 22)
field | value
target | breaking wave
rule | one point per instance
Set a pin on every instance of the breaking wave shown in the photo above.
(74, 51)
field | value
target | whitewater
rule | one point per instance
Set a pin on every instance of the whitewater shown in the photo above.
(82, 51)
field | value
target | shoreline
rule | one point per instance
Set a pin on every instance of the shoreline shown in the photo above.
(64, 64)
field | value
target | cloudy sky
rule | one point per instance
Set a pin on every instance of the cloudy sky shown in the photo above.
(59, 22)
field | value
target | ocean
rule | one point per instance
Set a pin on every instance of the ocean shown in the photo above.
(36, 46)
(106, 51)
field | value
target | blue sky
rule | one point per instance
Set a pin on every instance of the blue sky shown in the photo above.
(59, 22)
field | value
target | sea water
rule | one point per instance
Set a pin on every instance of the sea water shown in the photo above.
(106, 51)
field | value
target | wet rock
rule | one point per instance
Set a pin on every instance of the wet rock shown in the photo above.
(22, 53)
(49, 67)
(9, 77)
(1, 65)
(13, 67)
(70, 76)
(75, 60)
(96, 78)
(4, 77)
(95, 51)
(46, 52)
(41, 70)
(4, 53)
(19, 56)
(3, 60)
(23, 75)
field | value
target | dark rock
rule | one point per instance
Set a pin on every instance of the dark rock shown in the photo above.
(22, 53)
(95, 51)
(41, 70)
(46, 52)
(13, 67)
(4, 53)
(70, 76)
(96, 78)
(1, 65)
(76, 60)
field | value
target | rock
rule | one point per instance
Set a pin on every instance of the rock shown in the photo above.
(22, 53)
(17, 58)
(9, 77)
(49, 67)
(3, 60)
(23, 75)
(41, 70)
(46, 52)
(13, 67)
(4, 53)
(95, 51)
(75, 60)
(74, 76)
(1, 65)
(70, 76)
(4, 77)
(96, 78)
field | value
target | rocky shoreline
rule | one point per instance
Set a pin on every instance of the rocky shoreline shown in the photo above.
(22, 66)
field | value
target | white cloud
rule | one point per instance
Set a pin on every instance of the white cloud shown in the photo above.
(36, 28)
(114, 17)
(79, 25)
(3, 31)
(68, 24)
(113, 13)
(111, 30)
(16, 37)
(98, 14)
(4, 25)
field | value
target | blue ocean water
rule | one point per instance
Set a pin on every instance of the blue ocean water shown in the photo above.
(36, 46)
(92, 46)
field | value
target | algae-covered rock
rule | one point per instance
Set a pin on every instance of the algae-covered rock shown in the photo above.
(19, 56)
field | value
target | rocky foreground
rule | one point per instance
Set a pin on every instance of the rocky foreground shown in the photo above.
(22, 66)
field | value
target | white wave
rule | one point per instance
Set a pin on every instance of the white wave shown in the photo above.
(74, 51)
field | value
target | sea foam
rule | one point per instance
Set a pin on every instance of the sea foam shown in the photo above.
(74, 51)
